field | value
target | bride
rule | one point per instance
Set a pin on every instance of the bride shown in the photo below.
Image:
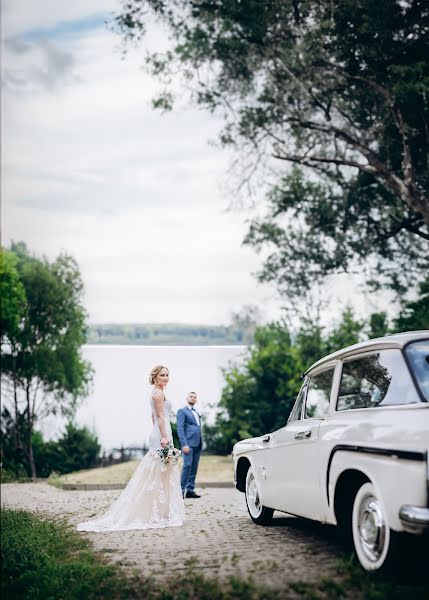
(153, 495)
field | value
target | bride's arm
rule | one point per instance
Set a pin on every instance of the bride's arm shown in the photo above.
(158, 400)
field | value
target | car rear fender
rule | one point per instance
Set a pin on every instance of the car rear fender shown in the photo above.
(398, 477)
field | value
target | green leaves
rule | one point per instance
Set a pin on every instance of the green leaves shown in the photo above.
(338, 88)
(43, 329)
(54, 328)
(315, 229)
(13, 298)
(415, 315)
(258, 396)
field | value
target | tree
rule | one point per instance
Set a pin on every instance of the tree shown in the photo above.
(415, 315)
(259, 395)
(331, 230)
(12, 294)
(42, 359)
(13, 456)
(310, 342)
(378, 325)
(13, 303)
(348, 331)
(337, 88)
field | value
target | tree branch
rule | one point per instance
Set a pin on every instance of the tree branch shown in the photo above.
(376, 167)
(308, 161)
(398, 118)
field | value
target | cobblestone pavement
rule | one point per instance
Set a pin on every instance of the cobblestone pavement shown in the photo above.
(218, 537)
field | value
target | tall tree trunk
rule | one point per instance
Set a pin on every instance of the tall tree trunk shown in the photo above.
(29, 435)
(16, 432)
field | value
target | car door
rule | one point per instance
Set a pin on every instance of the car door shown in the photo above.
(292, 465)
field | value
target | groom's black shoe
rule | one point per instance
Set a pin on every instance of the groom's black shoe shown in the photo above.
(189, 494)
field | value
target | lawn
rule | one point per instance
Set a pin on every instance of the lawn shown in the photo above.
(211, 469)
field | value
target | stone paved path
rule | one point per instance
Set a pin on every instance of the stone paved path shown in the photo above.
(218, 538)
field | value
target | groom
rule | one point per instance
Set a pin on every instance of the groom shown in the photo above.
(189, 432)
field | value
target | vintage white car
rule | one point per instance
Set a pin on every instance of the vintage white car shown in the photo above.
(354, 451)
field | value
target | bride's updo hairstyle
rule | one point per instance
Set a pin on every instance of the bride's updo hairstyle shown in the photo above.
(155, 372)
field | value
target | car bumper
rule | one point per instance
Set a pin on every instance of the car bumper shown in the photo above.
(414, 519)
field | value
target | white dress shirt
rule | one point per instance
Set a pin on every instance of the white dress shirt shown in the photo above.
(196, 415)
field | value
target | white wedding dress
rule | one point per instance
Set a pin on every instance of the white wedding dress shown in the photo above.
(153, 496)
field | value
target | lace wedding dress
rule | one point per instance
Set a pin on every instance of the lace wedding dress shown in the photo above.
(153, 496)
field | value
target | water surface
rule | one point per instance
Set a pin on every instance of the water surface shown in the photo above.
(118, 407)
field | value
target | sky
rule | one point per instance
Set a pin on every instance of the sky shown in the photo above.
(136, 197)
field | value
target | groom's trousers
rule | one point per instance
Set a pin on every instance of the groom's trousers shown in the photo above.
(189, 470)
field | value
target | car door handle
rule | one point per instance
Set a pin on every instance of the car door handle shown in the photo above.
(266, 438)
(301, 435)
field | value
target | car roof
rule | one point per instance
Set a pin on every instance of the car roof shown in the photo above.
(397, 340)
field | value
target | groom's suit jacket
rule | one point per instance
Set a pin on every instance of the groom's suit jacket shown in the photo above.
(188, 430)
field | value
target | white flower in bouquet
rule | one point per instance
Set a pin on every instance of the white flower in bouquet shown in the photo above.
(169, 455)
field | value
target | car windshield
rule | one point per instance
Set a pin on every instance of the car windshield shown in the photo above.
(418, 357)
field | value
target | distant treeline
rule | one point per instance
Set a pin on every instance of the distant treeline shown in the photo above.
(164, 334)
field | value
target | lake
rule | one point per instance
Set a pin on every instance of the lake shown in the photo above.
(118, 407)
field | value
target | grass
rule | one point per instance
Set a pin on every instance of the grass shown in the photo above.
(45, 559)
(409, 582)
(211, 469)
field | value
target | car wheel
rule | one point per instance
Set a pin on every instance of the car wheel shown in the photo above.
(374, 542)
(258, 513)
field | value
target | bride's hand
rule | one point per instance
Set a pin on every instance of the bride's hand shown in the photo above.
(164, 442)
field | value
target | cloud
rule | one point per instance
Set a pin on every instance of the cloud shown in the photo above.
(91, 169)
(34, 66)
(48, 17)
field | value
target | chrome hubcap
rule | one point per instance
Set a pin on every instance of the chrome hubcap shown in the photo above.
(252, 497)
(372, 528)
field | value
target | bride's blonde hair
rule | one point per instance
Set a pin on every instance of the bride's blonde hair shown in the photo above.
(155, 372)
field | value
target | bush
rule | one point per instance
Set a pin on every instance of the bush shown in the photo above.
(14, 464)
(76, 449)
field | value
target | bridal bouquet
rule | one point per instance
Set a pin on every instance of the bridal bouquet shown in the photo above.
(169, 455)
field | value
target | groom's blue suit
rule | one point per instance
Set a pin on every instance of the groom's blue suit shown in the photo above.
(189, 432)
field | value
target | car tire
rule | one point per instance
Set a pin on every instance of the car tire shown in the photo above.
(261, 515)
(375, 544)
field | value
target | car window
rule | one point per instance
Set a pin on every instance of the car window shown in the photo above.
(418, 356)
(296, 413)
(379, 379)
(318, 395)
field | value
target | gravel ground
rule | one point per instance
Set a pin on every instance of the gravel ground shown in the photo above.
(217, 538)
